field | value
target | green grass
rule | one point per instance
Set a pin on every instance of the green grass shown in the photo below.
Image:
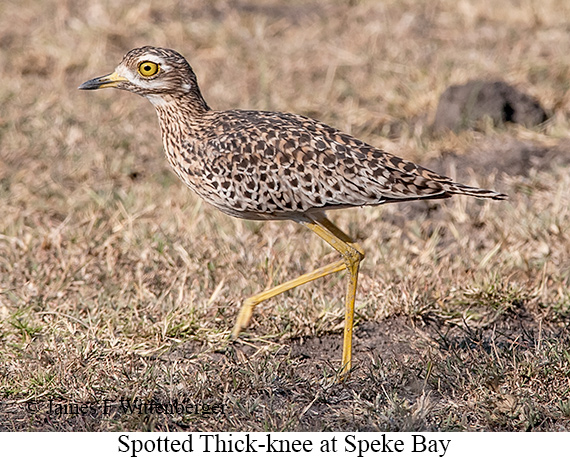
(116, 282)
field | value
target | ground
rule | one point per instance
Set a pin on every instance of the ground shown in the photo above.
(119, 287)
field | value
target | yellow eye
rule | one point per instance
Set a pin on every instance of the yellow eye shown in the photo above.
(148, 68)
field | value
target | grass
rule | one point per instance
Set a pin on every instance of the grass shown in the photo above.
(117, 283)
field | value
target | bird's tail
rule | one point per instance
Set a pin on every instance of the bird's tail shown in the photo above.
(462, 189)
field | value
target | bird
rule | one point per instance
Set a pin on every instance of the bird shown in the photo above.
(264, 165)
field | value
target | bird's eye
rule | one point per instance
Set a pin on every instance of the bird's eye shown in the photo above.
(148, 69)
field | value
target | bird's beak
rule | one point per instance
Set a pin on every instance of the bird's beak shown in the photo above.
(111, 80)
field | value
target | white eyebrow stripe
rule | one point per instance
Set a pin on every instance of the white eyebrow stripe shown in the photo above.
(152, 58)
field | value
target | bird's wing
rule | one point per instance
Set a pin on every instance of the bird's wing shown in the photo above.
(277, 162)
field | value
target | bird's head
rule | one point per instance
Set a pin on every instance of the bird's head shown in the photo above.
(154, 73)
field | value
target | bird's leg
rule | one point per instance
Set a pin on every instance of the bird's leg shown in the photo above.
(352, 254)
(246, 310)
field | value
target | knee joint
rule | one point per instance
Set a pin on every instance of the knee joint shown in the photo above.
(354, 255)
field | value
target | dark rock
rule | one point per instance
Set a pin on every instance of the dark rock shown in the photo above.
(461, 106)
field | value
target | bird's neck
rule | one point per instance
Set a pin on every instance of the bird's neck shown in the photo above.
(181, 122)
(179, 116)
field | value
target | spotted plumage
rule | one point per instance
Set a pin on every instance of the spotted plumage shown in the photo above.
(267, 165)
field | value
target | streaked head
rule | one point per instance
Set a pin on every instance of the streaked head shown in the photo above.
(150, 72)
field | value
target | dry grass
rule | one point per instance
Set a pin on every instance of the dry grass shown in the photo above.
(116, 282)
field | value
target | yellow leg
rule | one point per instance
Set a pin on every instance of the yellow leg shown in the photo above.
(352, 255)
(247, 308)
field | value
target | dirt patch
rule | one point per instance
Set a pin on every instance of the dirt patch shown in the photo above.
(397, 338)
(462, 106)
